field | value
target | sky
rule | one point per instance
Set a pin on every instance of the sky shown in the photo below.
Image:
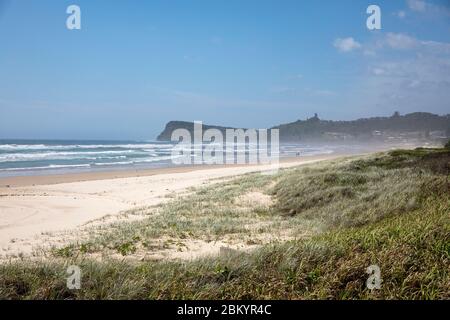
(135, 65)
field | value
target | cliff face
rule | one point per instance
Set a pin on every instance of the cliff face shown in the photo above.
(166, 134)
(414, 125)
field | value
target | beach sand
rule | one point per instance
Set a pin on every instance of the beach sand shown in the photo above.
(35, 206)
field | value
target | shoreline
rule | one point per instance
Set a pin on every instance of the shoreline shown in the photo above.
(50, 179)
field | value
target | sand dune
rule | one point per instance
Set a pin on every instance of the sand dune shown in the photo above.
(41, 205)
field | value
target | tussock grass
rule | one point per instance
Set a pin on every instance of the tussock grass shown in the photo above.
(210, 213)
(390, 209)
(349, 194)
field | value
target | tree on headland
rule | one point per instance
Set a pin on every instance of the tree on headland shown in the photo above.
(315, 118)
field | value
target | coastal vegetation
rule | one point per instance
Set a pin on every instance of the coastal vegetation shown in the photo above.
(308, 232)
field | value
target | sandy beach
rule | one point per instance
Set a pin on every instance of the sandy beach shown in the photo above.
(33, 207)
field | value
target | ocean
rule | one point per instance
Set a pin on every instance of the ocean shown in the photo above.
(31, 157)
(25, 157)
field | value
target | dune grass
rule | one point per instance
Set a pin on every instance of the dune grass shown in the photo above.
(390, 209)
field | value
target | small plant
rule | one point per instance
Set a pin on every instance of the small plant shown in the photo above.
(126, 248)
(65, 252)
(447, 145)
(223, 271)
(85, 248)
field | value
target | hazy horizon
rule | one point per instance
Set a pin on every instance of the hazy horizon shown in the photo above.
(153, 139)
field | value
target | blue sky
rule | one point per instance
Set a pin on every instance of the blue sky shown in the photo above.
(135, 65)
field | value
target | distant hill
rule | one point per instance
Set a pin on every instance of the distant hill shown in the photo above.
(173, 125)
(418, 125)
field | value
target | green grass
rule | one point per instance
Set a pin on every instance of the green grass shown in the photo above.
(390, 209)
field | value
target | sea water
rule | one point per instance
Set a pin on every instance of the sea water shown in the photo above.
(30, 157)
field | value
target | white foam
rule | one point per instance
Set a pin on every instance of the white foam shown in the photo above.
(12, 147)
(52, 166)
